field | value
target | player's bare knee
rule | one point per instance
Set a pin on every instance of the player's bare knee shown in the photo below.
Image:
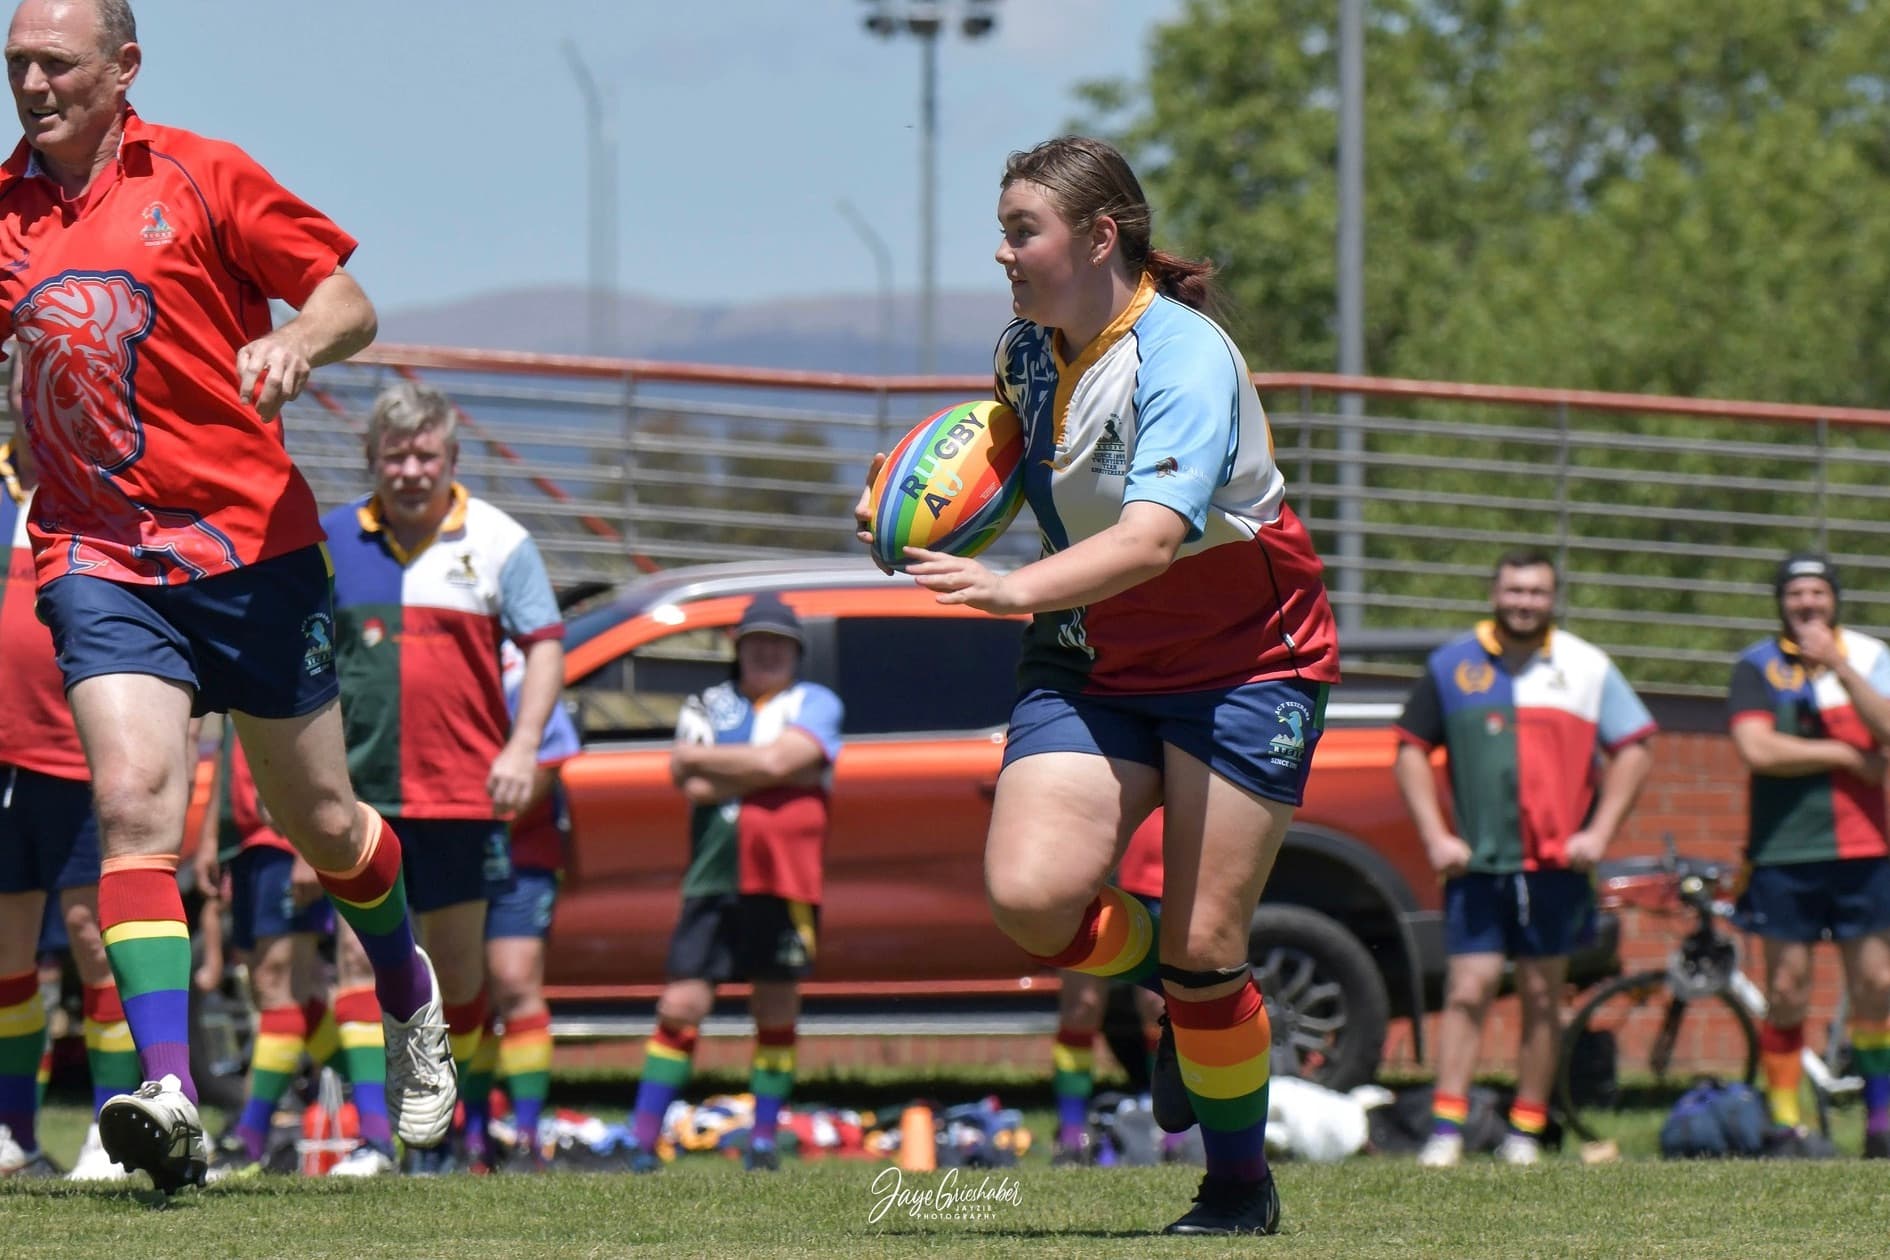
(133, 818)
(683, 1008)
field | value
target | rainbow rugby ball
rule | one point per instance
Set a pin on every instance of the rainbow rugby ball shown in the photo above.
(953, 484)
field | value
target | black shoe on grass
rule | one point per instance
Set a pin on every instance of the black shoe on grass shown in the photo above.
(1225, 1206)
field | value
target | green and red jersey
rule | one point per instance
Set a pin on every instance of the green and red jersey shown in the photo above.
(417, 640)
(1812, 817)
(769, 842)
(1524, 748)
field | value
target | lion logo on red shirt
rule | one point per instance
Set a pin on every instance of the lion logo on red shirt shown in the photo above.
(80, 335)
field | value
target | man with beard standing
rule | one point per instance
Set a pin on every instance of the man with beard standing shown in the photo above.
(1525, 714)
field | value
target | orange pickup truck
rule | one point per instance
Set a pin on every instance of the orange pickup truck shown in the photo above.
(1348, 936)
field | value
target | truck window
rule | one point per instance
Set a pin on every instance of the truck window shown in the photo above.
(925, 673)
(638, 695)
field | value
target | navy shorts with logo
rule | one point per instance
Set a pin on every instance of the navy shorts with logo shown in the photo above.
(1840, 900)
(48, 833)
(732, 937)
(257, 640)
(1259, 736)
(1522, 914)
(522, 908)
(262, 904)
(449, 861)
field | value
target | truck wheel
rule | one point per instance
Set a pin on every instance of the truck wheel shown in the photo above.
(1325, 996)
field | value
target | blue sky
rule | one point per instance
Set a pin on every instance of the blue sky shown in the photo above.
(447, 134)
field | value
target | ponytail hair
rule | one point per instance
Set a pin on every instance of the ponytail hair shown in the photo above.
(1190, 281)
(1088, 179)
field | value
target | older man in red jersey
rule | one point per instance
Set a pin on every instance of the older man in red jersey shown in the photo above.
(178, 550)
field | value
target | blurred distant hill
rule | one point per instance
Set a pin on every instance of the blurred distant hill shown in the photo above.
(832, 334)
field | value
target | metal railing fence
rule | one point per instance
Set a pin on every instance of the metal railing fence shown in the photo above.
(1666, 515)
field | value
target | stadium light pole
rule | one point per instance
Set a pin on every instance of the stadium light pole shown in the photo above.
(1351, 302)
(601, 162)
(882, 271)
(925, 19)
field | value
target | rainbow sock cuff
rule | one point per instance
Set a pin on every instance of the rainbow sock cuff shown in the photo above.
(525, 1049)
(1073, 1064)
(1222, 1046)
(666, 1056)
(141, 918)
(22, 1044)
(1783, 1069)
(1116, 939)
(1529, 1118)
(1870, 1046)
(466, 1028)
(772, 1074)
(1449, 1112)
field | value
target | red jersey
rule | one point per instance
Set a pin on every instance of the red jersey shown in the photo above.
(130, 303)
(36, 730)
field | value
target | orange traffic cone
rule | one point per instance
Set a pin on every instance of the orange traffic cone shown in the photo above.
(918, 1141)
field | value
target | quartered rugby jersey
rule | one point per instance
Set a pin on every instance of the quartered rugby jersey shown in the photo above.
(538, 835)
(36, 730)
(771, 841)
(1161, 408)
(129, 303)
(417, 647)
(1522, 747)
(1811, 817)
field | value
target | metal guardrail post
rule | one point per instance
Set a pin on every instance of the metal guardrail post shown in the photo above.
(1824, 484)
(1561, 506)
(1305, 453)
(627, 498)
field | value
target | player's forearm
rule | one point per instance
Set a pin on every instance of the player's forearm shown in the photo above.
(538, 692)
(1411, 770)
(1136, 548)
(1784, 756)
(335, 323)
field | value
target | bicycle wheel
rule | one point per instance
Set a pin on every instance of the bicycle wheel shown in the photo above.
(1631, 1044)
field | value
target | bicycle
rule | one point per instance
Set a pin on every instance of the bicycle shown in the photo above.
(1640, 1019)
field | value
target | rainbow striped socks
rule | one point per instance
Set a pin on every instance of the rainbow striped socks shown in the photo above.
(22, 1043)
(1870, 1048)
(1116, 939)
(109, 1050)
(475, 1088)
(141, 918)
(1449, 1112)
(1223, 1045)
(1073, 1058)
(525, 1063)
(771, 1080)
(1783, 1068)
(372, 897)
(281, 1032)
(356, 1020)
(666, 1058)
(1528, 1119)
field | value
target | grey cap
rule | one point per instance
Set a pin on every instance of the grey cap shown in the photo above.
(766, 614)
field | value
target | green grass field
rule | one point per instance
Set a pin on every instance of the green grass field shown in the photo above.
(704, 1206)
